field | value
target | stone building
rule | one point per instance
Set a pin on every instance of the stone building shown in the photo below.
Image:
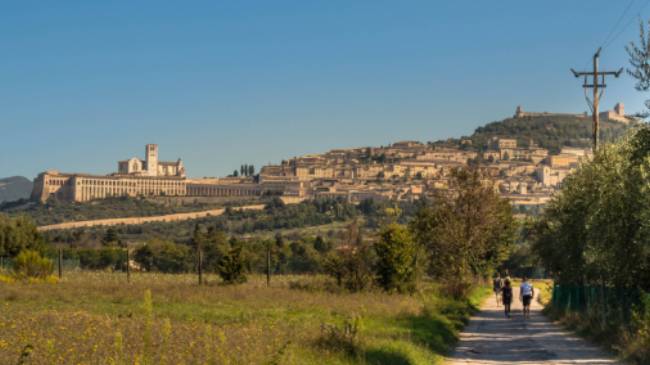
(616, 115)
(85, 187)
(151, 166)
(152, 178)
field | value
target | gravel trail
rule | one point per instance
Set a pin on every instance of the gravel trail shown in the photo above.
(490, 338)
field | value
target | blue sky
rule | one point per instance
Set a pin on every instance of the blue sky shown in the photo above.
(221, 83)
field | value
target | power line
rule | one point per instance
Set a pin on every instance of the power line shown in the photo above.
(620, 18)
(613, 31)
(627, 25)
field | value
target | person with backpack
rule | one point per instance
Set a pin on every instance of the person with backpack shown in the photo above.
(497, 284)
(526, 294)
(506, 296)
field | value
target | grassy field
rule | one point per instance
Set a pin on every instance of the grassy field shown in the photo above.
(97, 318)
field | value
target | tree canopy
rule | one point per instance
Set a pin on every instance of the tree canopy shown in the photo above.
(17, 234)
(597, 229)
(466, 231)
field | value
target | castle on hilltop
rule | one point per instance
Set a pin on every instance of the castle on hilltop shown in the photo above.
(615, 115)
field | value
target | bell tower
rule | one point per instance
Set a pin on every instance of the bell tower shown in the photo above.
(151, 157)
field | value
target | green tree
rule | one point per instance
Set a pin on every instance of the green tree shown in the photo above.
(640, 62)
(18, 234)
(164, 256)
(110, 237)
(396, 259)
(304, 258)
(466, 231)
(232, 264)
(215, 242)
(352, 262)
(321, 245)
(596, 230)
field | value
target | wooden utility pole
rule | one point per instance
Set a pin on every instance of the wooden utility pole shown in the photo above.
(598, 86)
(60, 263)
(200, 265)
(268, 264)
(128, 263)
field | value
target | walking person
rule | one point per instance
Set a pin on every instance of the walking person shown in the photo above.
(506, 297)
(526, 294)
(497, 284)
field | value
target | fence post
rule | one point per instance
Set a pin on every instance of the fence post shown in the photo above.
(200, 266)
(60, 263)
(128, 266)
(268, 264)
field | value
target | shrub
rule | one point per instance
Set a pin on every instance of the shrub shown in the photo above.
(351, 267)
(30, 264)
(104, 258)
(638, 344)
(164, 256)
(396, 259)
(345, 338)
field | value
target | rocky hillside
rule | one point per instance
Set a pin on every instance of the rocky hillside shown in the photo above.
(549, 131)
(15, 188)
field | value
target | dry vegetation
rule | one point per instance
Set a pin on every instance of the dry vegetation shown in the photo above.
(97, 318)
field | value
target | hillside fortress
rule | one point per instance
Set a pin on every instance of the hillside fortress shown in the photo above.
(615, 115)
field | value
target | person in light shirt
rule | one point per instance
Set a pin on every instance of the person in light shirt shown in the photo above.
(526, 294)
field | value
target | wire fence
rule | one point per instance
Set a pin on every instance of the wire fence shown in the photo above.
(7, 263)
(606, 301)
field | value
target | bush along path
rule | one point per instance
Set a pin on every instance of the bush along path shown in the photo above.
(491, 338)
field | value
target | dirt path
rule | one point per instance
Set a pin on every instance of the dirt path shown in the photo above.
(141, 220)
(490, 338)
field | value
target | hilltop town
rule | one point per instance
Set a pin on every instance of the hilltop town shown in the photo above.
(526, 173)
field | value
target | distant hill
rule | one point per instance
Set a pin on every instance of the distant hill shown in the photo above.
(15, 188)
(548, 131)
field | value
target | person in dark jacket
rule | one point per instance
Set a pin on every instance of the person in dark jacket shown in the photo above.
(497, 285)
(506, 297)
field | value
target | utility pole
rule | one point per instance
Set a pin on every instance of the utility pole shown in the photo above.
(268, 263)
(200, 264)
(128, 265)
(60, 261)
(598, 86)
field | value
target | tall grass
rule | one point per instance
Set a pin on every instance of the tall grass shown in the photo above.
(92, 317)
